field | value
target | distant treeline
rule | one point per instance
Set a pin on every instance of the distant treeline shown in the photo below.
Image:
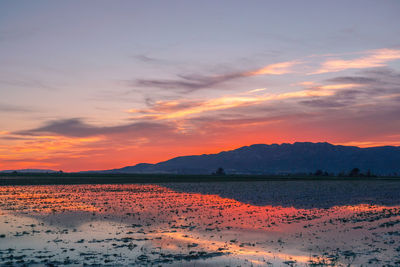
(355, 172)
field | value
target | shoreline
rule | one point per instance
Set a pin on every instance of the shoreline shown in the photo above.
(114, 178)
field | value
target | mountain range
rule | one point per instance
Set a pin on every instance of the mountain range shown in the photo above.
(296, 158)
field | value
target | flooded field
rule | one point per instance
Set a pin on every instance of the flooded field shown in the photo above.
(276, 223)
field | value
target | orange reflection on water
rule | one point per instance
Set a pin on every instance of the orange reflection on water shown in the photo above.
(232, 248)
(149, 204)
(154, 204)
(182, 222)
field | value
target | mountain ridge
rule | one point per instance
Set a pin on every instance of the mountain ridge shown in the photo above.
(285, 158)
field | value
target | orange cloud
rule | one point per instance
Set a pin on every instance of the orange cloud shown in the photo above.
(164, 110)
(370, 143)
(201, 137)
(375, 58)
(274, 69)
(185, 126)
(256, 90)
(305, 83)
(28, 152)
(339, 86)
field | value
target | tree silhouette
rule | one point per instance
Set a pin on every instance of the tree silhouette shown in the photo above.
(318, 173)
(220, 171)
(354, 172)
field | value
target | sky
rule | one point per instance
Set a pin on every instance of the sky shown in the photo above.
(92, 85)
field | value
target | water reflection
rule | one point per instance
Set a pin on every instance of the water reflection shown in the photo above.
(301, 194)
(181, 224)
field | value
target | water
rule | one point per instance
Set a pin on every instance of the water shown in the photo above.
(329, 223)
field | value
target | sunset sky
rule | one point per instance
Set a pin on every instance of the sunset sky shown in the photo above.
(89, 85)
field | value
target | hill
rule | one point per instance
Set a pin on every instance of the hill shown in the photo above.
(300, 157)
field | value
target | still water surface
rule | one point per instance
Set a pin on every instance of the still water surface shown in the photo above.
(277, 223)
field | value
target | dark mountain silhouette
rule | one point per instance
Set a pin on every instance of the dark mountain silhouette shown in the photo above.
(281, 159)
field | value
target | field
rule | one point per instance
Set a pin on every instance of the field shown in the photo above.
(121, 178)
(228, 222)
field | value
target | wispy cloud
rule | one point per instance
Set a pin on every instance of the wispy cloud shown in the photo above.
(368, 87)
(26, 83)
(362, 89)
(382, 77)
(14, 109)
(164, 110)
(195, 82)
(257, 90)
(151, 60)
(339, 86)
(338, 110)
(374, 58)
(145, 58)
(274, 69)
(76, 127)
(188, 83)
(363, 106)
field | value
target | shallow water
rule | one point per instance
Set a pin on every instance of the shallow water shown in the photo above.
(307, 223)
